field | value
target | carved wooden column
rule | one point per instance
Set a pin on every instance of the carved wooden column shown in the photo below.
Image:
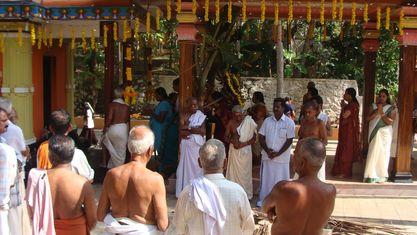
(370, 46)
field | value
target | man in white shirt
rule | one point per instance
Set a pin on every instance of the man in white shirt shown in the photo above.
(211, 204)
(276, 136)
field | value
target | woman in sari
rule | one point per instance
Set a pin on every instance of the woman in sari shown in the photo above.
(347, 150)
(381, 118)
(160, 117)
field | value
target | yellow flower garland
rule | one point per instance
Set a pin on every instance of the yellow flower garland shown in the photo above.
(178, 6)
(19, 36)
(158, 19)
(341, 10)
(32, 34)
(1, 43)
(365, 13)
(129, 74)
(276, 21)
(115, 29)
(229, 12)
(217, 11)
(334, 9)
(44, 37)
(353, 19)
(388, 18)
(128, 53)
(262, 11)
(308, 11)
(322, 12)
(83, 41)
(93, 40)
(378, 18)
(72, 40)
(137, 25)
(61, 38)
(194, 7)
(124, 30)
(237, 95)
(148, 22)
(290, 11)
(50, 39)
(206, 10)
(105, 30)
(39, 37)
(243, 10)
(401, 23)
(168, 9)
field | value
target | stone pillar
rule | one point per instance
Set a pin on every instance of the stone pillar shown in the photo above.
(17, 81)
(370, 46)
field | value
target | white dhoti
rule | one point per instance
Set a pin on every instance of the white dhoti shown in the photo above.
(19, 221)
(126, 226)
(115, 140)
(378, 157)
(239, 168)
(188, 167)
(4, 224)
(271, 173)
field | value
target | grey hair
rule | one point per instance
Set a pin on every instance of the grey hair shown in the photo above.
(313, 150)
(118, 92)
(212, 154)
(238, 109)
(139, 144)
(5, 104)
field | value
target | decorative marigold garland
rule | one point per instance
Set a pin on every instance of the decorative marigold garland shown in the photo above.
(83, 41)
(178, 6)
(32, 34)
(308, 11)
(401, 23)
(115, 29)
(378, 18)
(105, 29)
(322, 11)
(19, 37)
(388, 18)
(276, 21)
(50, 41)
(229, 12)
(235, 93)
(168, 9)
(243, 10)
(262, 11)
(158, 19)
(341, 10)
(1, 43)
(93, 40)
(148, 22)
(137, 25)
(72, 39)
(290, 11)
(194, 7)
(353, 19)
(39, 37)
(334, 9)
(217, 11)
(206, 10)
(61, 38)
(365, 13)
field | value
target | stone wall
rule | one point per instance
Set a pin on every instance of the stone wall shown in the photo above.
(330, 90)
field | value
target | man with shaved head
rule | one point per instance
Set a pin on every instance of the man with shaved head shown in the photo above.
(302, 206)
(133, 199)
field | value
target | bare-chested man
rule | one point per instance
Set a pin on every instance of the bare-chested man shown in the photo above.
(116, 128)
(73, 202)
(133, 198)
(302, 206)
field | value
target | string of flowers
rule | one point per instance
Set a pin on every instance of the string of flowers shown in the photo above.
(93, 40)
(168, 9)
(72, 39)
(148, 22)
(44, 37)
(83, 41)
(322, 12)
(290, 11)
(365, 13)
(378, 18)
(217, 11)
(50, 39)
(1, 43)
(19, 36)
(387, 18)
(129, 74)
(137, 25)
(308, 11)
(115, 29)
(401, 23)
(353, 19)
(229, 12)
(276, 21)
(310, 32)
(235, 93)
(334, 9)
(61, 38)
(124, 30)
(243, 10)
(324, 32)
(32, 34)
(178, 6)
(206, 10)
(341, 10)
(194, 7)
(158, 19)
(105, 30)
(39, 37)
(262, 11)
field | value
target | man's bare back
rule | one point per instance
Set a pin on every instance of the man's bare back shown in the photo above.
(68, 197)
(134, 192)
(117, 113)
(302, 206)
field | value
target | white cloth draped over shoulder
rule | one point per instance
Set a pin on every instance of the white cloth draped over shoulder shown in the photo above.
(379, 151)
(188, 167)
(239, 167)
(126, 226)
(207, 199)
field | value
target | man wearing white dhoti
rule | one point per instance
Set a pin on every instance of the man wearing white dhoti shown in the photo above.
(381, 118)
(192, 131)
(212, 205)
(116, 129)
(241, 134)
(276, 136)
(133, 200)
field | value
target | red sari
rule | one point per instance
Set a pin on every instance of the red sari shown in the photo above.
(348, 146)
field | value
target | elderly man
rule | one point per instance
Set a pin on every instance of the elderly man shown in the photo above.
(240, 133)
(61, 125)
(302, 206)
(66, 208)
(116, 129)
(211, 204)
(276, 136)
(192, 131)
(8, 176)
(135, 195)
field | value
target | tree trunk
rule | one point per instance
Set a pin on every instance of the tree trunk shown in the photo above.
(280, 63)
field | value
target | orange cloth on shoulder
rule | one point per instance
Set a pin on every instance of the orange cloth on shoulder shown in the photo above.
(73, 226)
(43, 158)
